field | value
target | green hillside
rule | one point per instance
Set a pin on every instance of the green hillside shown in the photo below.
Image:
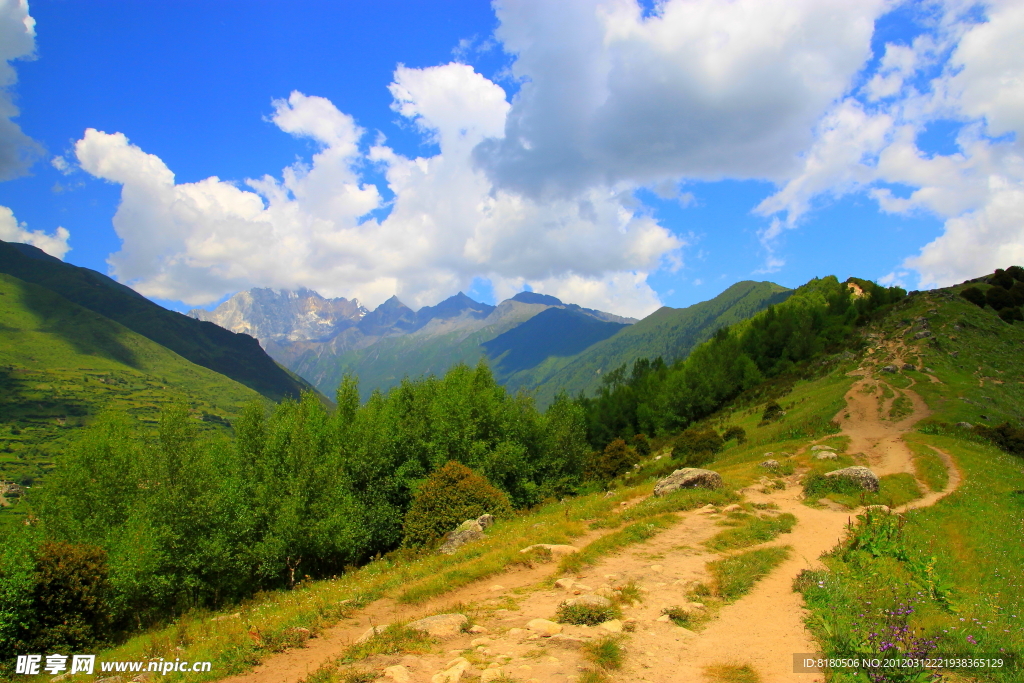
(670, 333)
(237, 356)
(61, 364)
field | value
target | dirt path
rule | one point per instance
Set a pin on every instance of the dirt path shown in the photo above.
(764, 629)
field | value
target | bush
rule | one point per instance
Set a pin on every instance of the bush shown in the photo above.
(975, 296)
(616, 459)
(450, 496)
(1007, 437)
(998, 298)
(696, 447)
(1011, 314)
(589, 615)
(641, 445)
(1016, 272)
(70, 596)
(735, 432)
(772, 411)
(818, 485)
(1001, 279)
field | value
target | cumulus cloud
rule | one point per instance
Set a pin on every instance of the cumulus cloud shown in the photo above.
(312, 226)
(55, 244)
(700, 89)
(17, 41)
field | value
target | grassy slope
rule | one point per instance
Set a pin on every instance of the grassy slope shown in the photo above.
(668, 332)
(60, 364)
(234, 355)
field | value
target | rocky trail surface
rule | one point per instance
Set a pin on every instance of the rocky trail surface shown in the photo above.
(762, 630)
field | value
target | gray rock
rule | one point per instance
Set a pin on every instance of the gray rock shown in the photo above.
(770, 464)
(892, 369)
(825, 455)
(589, 601)
(923, 334)
(470, 530)
(909, 366)
(863, 477)
(820, 447)
(965, 425)
(688, 478)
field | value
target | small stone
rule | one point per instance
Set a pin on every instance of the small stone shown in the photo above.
(909, 366)
(770, 464)
(544, 627)
(825, 455)
(441, 625)
(477, 628)
(891, 369)
(821, 447)
(516, 632)
(565, 584)
(612, 626)
(708, 509)
(965, 425)
(397, 673)
(735, 507)
(453, 674)
(481, 641)
(663, 617)
(496, 588)
(657, 568)
(582, 588)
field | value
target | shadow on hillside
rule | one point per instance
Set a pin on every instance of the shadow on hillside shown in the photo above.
(87, 332)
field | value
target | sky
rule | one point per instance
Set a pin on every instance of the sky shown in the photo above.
(617, 154)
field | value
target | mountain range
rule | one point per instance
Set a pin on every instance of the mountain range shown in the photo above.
(532, 341)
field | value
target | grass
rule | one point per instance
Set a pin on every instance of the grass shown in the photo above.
(949, 573)
(61, 364)
(900, 408)
(894, 490)
(754, 530)
(638, 532)
(730, 673)
(588, 615)
(734, 576)
(606, 653)
(928, 466)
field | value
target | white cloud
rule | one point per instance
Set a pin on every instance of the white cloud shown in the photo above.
(17, 41)
(701, 89)
(448, 223)
(11, 230)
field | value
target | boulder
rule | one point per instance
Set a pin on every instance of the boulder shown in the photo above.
(735, 507)
(453, 674)
(441, 625)
(688, 478)
(892, 369)
(864, 477)
(770, 464)
(589, 601)
(544, 627)
(923, 334)
(909, 366)
(470, 530)
(612, 626)
(822, 447)
(825, 455)
(488, 675)
(565, 584)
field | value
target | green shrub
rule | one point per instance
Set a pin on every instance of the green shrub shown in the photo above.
(606, 653)
(1001, 279)
(1016, 272)
(617, 458)
(70, 594)
(696, 447)
(998, 298)
(735, 432)
(1007, 437)
(1011, 314)
(642, 445)
(589, 615)
(772, 411)
(818, 485)
(975, 296)
(450, 496)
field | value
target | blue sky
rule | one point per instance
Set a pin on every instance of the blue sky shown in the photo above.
(614, 155)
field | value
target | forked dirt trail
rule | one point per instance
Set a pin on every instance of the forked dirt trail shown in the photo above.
(763, 629)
